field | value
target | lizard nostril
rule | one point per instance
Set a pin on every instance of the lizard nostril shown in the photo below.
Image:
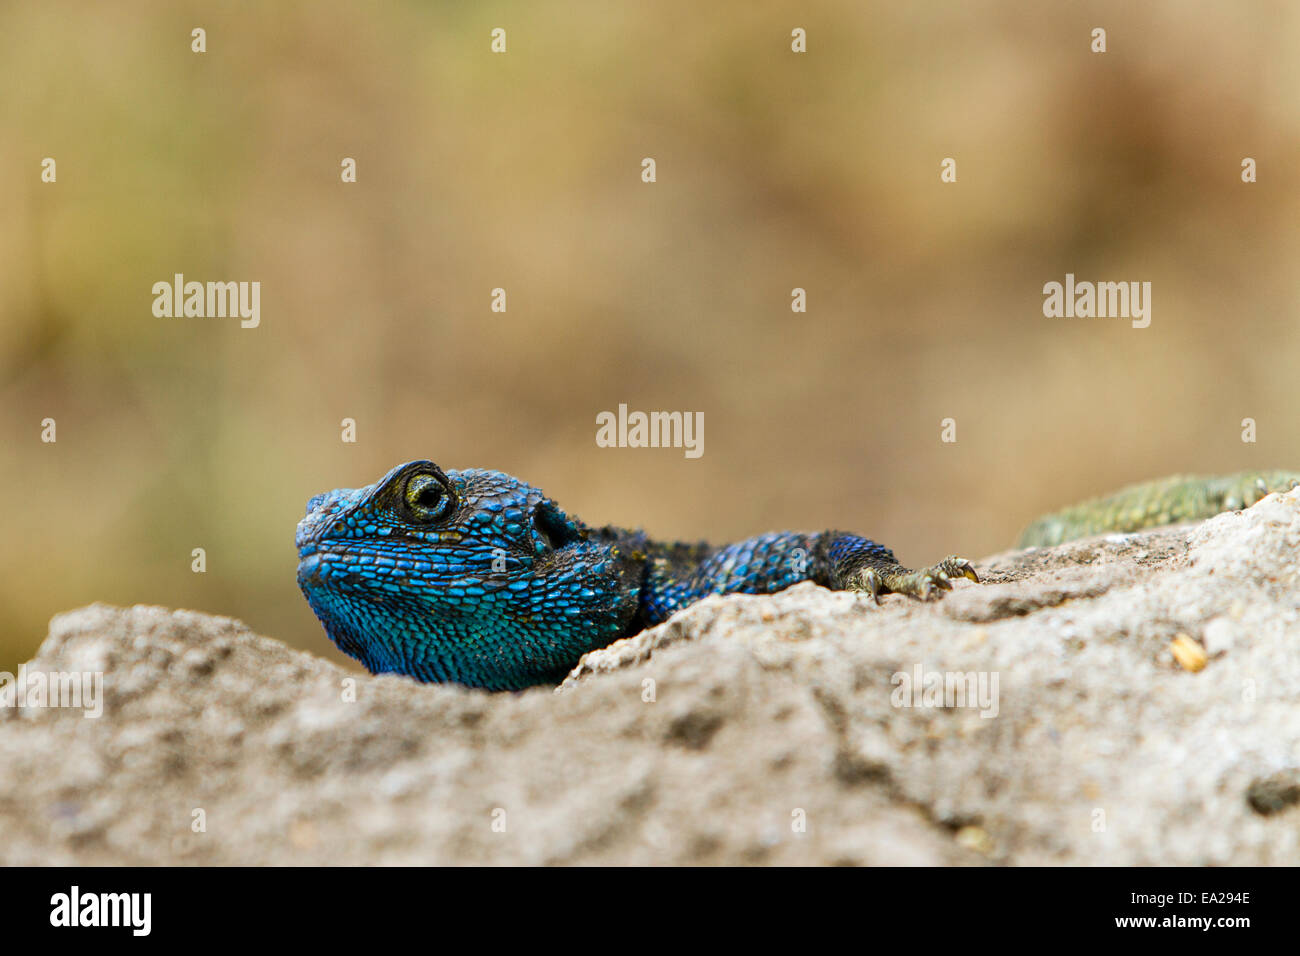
(314, 503)
(539, 528)
(553, 527)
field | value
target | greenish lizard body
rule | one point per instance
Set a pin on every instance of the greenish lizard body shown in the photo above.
(1151, 504)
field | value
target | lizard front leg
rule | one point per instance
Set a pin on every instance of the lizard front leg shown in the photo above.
(679, 575)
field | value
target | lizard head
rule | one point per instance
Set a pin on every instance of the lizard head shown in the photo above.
(466, 576)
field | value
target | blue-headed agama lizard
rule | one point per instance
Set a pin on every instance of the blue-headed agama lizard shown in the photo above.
(478, 578)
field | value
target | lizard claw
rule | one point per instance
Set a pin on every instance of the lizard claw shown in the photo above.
(871, 583)
(935, 580)
(955, 567)
(922, 585)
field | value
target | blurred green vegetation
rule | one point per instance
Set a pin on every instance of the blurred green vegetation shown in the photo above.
(522, 171)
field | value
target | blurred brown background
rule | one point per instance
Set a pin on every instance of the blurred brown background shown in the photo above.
(522, 170)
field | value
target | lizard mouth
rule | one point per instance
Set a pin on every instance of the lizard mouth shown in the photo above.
(328, 571)
(309, 567)
(343, 573)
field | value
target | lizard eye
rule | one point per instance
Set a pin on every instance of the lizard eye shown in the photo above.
(426, 498)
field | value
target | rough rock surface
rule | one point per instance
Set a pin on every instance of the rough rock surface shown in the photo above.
(773, 735)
